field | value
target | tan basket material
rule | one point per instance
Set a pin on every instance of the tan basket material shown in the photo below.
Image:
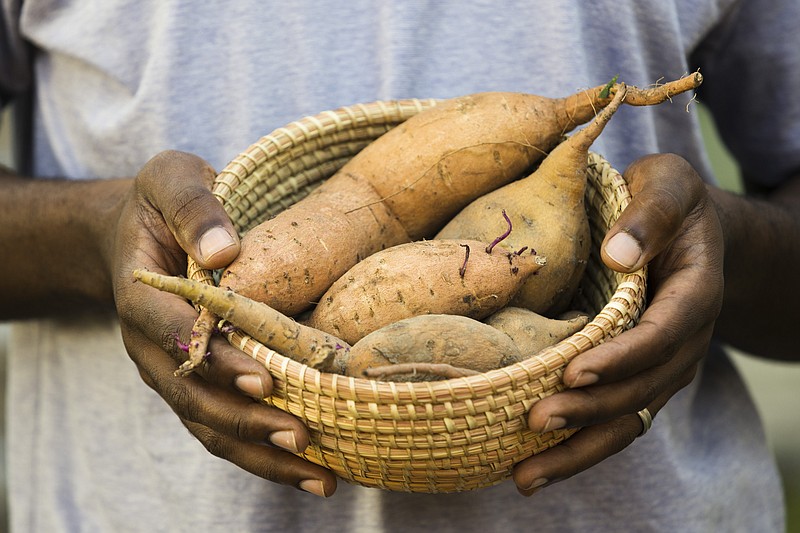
(441, 436)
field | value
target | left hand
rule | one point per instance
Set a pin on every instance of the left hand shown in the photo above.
(672, 225)
(169, 213)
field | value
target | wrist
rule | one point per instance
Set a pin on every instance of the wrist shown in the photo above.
(107, 199)
(761, 254)
(59, 235)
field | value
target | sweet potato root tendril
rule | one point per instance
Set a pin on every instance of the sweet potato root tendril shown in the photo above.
(501, 237)
(463, 269)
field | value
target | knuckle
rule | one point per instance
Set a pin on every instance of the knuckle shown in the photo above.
(215, 443)
(170, 337)
(667, 186)
(649, 390)
(619, 435)
(591, 404)
(173, 167)
(182, 401)
(665, 208)
(270, 470)
(243, 426)
(666, 340)
(157, 166)
(190, 205)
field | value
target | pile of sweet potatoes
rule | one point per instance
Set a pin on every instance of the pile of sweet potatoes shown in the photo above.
(448, 246)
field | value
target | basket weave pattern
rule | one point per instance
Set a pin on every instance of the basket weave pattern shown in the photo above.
(441, 436)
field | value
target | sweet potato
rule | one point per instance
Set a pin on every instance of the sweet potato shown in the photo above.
(424, 346)
(268, 326)
(532, 332)
(545, 210)
(289, 261)
(456, 277)
(403, 186)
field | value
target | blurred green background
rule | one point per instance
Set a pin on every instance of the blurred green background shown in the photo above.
(775, 385)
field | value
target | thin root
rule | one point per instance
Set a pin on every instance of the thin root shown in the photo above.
(495, 242)
(662, 92)
(689, 103)
(463, 270)
(204, 328)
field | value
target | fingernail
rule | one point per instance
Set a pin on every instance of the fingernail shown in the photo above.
(554, 423)
(314, 486)
(536, 485)
(284, 439)
(583, 379)
(624, 250)
(250, 384)
(214, 241)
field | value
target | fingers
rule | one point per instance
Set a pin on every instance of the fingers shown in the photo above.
(254, 436)
(177, 185)
(587, 447)
(167, 321)
(239, 370)
(665, 189)
(223, 408)
(214, 397)
(598, 404)
(269, 463)
(228, 423)
(170, 212)
(686, 303)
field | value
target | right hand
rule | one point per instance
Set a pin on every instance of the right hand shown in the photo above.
(169, 213)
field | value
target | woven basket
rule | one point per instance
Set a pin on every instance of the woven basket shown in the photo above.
(441, 436)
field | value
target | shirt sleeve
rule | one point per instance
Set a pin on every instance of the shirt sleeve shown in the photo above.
(751, 69)
(15, 55)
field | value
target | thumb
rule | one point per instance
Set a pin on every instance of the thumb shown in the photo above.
(177, 184)
(665, 189)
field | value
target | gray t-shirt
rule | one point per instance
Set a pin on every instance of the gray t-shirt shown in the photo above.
(91, 448)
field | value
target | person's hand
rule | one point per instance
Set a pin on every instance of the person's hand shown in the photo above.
(168, 213)
(672, 225)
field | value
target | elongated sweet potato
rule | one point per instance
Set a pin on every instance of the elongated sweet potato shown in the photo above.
(546, 209)
(456, 277)
(403, 186)
(435, 163)
(268, 326)
(407, 184)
